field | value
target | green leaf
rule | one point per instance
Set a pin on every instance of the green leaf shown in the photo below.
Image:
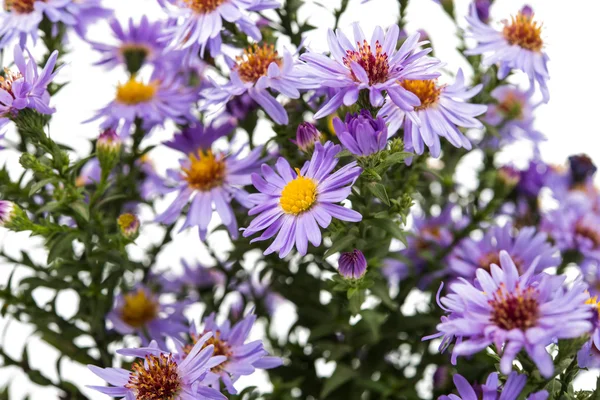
(390, 227)
(351, 292)
(356, 301)
(81, 209)
(341, 375)
(38, 185)
(379, 191)
(340, 245)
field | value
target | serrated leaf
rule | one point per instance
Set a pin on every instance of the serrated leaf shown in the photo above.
(341, 375)
(379, 191)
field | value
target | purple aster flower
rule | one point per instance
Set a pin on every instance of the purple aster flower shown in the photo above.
(90, 173)
(376, 66)
(241, 357)
(140, 311)
(511, 390)
(163, 375)
(294, 204)
(589, 355)
(306, 136)
(208, 179)
(523, 246)
(514, 312)
(154, 102)
(352, 265)
(194, 276)
(86, 13)
(27, 87)
(440, 112)
(153, 184)
(518, 46)
(199, 22)
(7, 211)
(199, 136)
(482, 8)
(240, 106)
(533, 179)
(362, 134)
(261, 68)
(257, 288)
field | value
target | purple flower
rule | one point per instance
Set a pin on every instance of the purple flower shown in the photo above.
(194, 276)
(518, 46)
(482, 7)
(523, 246)
(362, 134)
(582, 168)
(199, 136)
(294, 204)
(139, 311)
(589, 355)
(199, 22)
(90, 173)
(439, 113)
(533, 178)
(514, 312)
(261, 68)
(7, 211)
(306, 136)
(511, 390)
(241, 357)
(352, 265)
(376, 67)
(206, 179)
(240, 106)
(27, 87)
(162, 374)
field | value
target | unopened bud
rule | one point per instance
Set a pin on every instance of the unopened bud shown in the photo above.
(129, 225)
(108, 148)
(352, 265)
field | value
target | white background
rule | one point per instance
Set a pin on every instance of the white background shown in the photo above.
(571, 31)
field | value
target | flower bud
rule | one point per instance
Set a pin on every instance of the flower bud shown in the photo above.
(7, 212)
(129, 225)
(306, 136)
(527, 11)
(582, 167)
(362, 134)
(482, 7)
(352, 265)
(108, 148)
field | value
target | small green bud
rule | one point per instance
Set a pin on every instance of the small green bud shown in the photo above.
(108, 149)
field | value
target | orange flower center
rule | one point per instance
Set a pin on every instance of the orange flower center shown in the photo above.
(524, 32)
(20, 6)
(511, 106)
(427, 91)
(220, 348)
(518, 310)
(205, 171)
(155, 378)
(203, 6)
(8, 79)
(375, 64)
(255, 62)
(138, 309)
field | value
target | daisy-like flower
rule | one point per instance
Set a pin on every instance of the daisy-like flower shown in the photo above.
(209, 180)
(261, 68)
(576, 182)
(492, 390)
(517, 46)
(140, 311)
(199, 22)
(440, 112)
(161, 374)
(294, 204)
(514, 312)
(26, 87)
(375, 66)
(523, 247)
(154, 102)
(241, 357)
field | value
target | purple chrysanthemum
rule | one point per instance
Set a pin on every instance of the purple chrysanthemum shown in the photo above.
(208, 179)
(140, 311)
(361, 134)
(294, 204)
(523, 247)
(440, 112)
(514, 312)
(511, 390)
(27, 87)
(517, 46)
(163, 375)
(241, 357)
(375, 66)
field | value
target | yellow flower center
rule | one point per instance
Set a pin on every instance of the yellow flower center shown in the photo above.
(127, 222)
(155, 378)
(203, 6)
(518, 310)
(136, 92)
(298, 195)
(427, 91)
(139, 309)
(594, 301)
(19, 6)
(524, 32)
(255, 62)
(375, 64)
(205, 171)
(221, 348)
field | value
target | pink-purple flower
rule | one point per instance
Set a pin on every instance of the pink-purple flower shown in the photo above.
(492, 389)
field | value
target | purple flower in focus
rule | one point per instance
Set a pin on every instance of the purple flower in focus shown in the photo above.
(294, 204)
(523, 247)
(26, 88)
(362, 134)
(518, 46)
(241, 357)
(375, 66)
(514, 312)
(163, 375)
(439, 113)
(306, 136)
(511, 390)
(352, 265)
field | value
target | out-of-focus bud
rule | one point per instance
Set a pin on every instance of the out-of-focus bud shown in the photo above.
(482, 7)
(441, 378)
(240, 106)
(306, 136)
(423, 35)
(108, 149)
(352, 265)
(509, 176)
(527, 11)
(13, 217)
(129, 225)
(582, 167)
(7, 212)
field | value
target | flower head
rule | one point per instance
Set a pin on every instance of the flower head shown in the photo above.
(440, 112)
(306, 136)
(514, 312)
(511, 390)
(293, 204)
(517, 46)
(374, 66)
(362, 134)
(129, 226)
(352, 265)
(161, 374)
